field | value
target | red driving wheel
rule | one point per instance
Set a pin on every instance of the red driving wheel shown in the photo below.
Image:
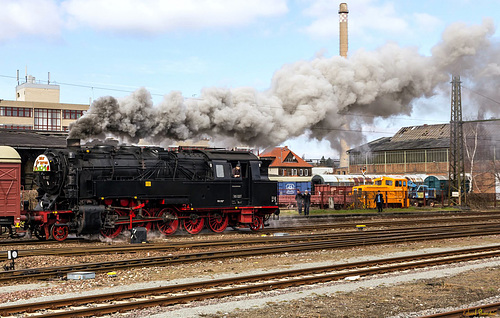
(170, 222)
(194, 225)
(217, 222)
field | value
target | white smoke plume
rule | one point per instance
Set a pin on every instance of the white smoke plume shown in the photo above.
(306, 97)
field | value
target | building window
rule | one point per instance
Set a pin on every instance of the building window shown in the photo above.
(47, 119)
(415, 156)
(356, 159)
(306, 172)
(72, 114)
(290, 158)
(301, 172)
(437, 155)
(15, 112)
(378, 158)
(17, 127)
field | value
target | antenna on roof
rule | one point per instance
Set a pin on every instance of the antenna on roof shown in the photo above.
(17, 77)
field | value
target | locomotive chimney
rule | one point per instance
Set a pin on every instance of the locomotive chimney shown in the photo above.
(72, 142)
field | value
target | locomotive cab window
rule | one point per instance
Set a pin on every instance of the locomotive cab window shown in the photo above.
(219, 171)
(244, 169)
(239, 169)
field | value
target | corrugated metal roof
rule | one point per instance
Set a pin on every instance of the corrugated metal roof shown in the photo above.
(427, 137)
(422, 132)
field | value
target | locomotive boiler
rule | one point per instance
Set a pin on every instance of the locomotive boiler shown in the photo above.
(107, 189)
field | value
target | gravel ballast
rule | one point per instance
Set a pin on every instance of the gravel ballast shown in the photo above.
(378, 296)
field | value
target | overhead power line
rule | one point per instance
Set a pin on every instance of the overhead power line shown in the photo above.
(482, 95)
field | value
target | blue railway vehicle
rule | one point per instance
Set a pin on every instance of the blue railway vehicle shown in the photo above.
(290, 185)
(440, 183)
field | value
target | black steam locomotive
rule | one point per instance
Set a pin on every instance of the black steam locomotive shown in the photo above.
(107, 189)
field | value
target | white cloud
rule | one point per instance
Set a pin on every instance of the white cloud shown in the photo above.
(364, 16)
(29, 17)
(427, 22)
(157, 16)
(47, 18)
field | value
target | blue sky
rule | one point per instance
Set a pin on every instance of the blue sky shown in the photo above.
(113, 47)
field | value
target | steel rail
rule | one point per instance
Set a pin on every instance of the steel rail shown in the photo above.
(386, 223)
(11, 242)
(340, 224)
(74, 251)
(487, 310)
(43, 272)
(281, 279)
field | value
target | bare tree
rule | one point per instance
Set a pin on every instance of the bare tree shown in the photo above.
(496, 172)
(470, 146)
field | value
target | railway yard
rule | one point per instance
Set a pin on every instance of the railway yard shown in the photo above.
(391, 264)
(191, 203)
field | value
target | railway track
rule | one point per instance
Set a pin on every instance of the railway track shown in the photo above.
(488, 310)
(101, 304)
(11, 242)
(353, 224)
(398, 215)
(360, 238)
(169, 246)
(478, 217)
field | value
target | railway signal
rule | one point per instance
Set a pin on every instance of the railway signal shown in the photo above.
(12, 255)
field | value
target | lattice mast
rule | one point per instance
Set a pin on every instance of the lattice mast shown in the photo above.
(457, 190)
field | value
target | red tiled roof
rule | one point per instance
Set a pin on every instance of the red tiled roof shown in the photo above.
(280, 154)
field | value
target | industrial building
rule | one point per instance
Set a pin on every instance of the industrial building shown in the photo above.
(426, 150)
(37, 107)
(35, 121)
